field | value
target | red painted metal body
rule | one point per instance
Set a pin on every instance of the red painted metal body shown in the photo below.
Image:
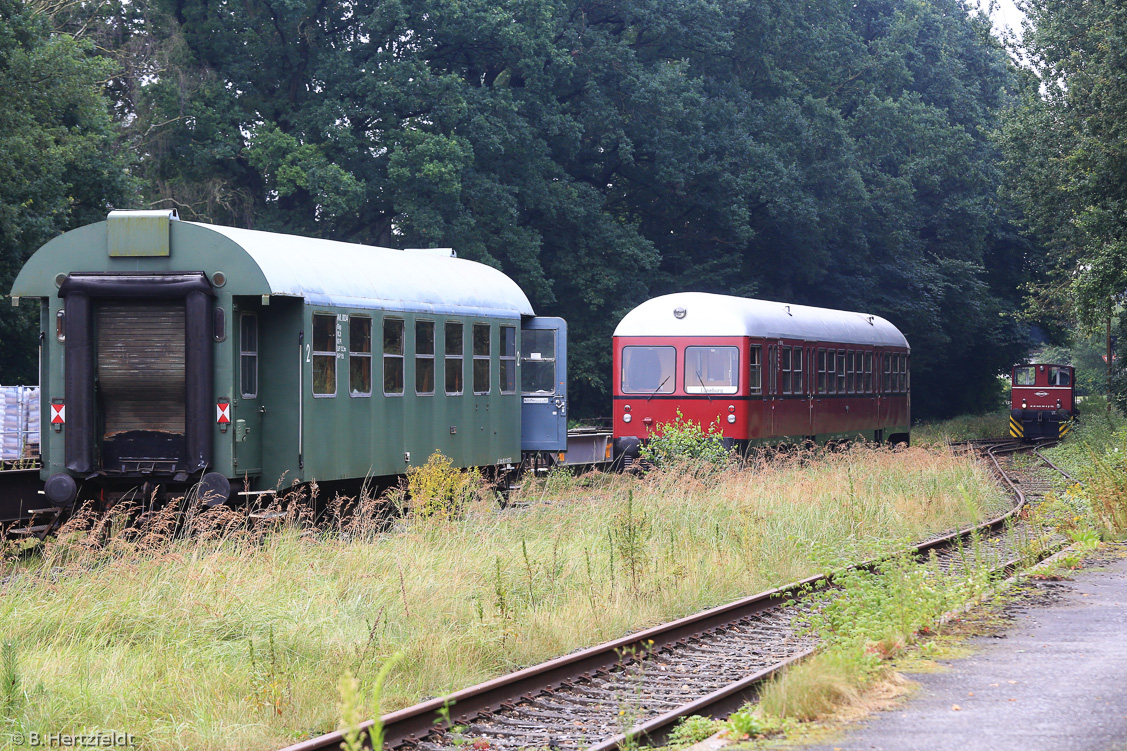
(801, 396)
(1042, 400)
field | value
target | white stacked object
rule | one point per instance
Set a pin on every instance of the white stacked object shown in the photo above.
(19, 422)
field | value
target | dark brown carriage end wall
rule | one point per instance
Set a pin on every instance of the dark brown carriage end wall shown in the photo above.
(78, 292)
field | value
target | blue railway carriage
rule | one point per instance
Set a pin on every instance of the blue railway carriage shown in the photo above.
(176, 353)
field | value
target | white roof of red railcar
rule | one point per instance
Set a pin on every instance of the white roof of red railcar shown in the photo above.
(704, 314)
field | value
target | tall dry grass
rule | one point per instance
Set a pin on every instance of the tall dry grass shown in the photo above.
(235, 636)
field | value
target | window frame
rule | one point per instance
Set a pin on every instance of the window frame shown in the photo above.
(325, 354)
(507, 359)
(244, 353)
(482, 358)
(355, 355)
(422, 358)
(400, 356)
(449, 358)
(670, 382)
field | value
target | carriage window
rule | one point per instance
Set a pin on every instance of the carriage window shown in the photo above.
(248, 355)
(393, 335)
(900, 373)
(831, 371)
(712, 370)
(508, 359)
(821, 371)
(453, 361)
(797, 365)
(481, 358)
(360, 356)
(755, 372)
(841, 371)
(538, 362)
(887, 358)
(849, 371)
(324, 354)
(785, 364)
(868, 372)
(1060, 376)
(424, 357)
(648, 370)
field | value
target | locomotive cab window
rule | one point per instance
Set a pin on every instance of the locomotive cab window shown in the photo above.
(360, 356)
(1059, 376)
(649, 370)
(454, 361)
(508, 359)
(248, 355)
(393, 348)
(424, 358)
(538, 362)
(1025, 376)
(324, 354)
(481, 335)
(712, 370)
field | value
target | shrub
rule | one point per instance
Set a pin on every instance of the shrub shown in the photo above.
(439, 489)
(686, 442)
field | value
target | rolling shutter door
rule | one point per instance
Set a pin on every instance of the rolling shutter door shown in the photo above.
(141, 373)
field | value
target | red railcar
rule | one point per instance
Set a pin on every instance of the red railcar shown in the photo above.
(763, 372)
(1042, 403)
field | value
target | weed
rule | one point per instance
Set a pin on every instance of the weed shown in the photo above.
(747, 723)
(440, 490)
(10, 682)
(693, 729)
(684, 443)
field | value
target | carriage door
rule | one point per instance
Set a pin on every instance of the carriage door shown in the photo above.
(543, 379)
(141, 384)
(247, 416)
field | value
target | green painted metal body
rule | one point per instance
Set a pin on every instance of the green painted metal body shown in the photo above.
(284, 433)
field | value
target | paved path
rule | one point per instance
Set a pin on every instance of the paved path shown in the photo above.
(1056, 680)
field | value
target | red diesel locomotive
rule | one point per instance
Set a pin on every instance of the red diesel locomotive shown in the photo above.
(1041, 401)
(764, 372)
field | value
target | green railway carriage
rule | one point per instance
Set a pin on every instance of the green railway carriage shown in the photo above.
(175, 352)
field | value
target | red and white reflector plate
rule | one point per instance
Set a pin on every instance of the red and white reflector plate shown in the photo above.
(222, 412)
(58, 414)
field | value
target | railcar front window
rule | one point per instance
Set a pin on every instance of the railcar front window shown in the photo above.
(538, 362)
(248, 355)
(481, 358)
(393, 335)
(712, 370)
(649, 370)
(508, 359)
(324, 354)
(453, 363)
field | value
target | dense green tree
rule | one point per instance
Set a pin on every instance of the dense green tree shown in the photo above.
(834, 153)
(60, 167)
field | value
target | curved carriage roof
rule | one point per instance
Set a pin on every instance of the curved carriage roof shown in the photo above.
(322, 272)
(722, 315)
(345, 274)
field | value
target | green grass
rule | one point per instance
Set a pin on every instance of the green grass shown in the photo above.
(231, 640)
(962, 428)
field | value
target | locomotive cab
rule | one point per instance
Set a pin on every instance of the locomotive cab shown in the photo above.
(1042, 401)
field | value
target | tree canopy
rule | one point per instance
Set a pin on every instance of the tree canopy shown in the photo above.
(830, 153)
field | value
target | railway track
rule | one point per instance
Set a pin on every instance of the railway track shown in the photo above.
(638, 687)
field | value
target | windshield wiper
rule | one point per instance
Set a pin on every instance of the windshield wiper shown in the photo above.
(659, 387)
(703, 388)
